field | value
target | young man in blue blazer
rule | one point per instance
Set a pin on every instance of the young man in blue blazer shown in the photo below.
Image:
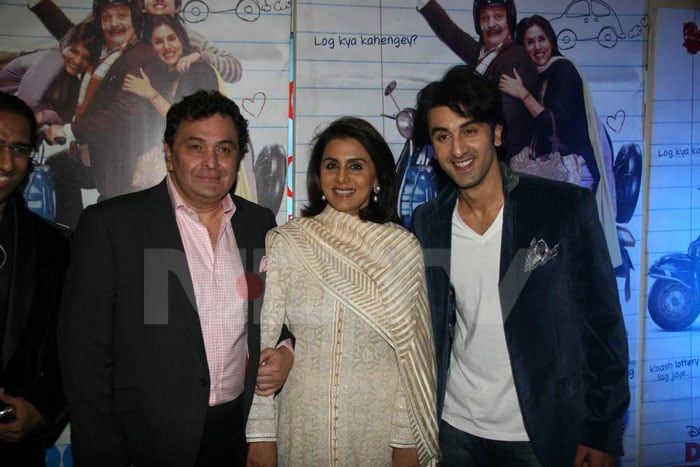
(531, 346)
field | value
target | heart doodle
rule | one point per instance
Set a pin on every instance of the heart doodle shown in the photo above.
(254, 105)
(616, 121)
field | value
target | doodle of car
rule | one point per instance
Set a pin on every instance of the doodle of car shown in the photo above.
(585, 20)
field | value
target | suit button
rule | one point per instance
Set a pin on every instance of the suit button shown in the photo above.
(203, 382)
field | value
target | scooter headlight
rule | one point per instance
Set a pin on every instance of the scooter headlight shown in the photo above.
(404, 122)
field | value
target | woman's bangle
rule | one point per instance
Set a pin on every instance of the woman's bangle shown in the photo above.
(527, 96)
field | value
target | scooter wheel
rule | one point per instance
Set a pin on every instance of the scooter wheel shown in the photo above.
(671, 305)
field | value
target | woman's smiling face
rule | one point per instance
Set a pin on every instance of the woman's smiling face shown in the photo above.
(76, 58)
(167, 45)
(538, 45)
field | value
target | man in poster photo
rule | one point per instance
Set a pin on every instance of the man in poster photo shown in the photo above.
(33, 260)
(159, 333)
(531, 345)
(228, 66)
(113, 127)
(496, 53)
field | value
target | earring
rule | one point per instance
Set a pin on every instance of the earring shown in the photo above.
(323, 198)
(375, 189)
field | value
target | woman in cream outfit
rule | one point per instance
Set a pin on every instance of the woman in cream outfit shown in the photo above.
(348, 281)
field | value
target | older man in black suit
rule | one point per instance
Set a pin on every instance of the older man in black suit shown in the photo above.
(33, 259)
(159, 333)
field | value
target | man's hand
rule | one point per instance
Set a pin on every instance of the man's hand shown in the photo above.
(263, 454)
(54, 134)
(273, 370)
(589, 457)
(406, 457)
(27, 419)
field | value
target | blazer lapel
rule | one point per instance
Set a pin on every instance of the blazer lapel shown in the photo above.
(23, 285)
(162, 227)
(512, 275)
(439, 231)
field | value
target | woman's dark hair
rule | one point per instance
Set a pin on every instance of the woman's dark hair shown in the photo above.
(87, 34)
(380, 211)
(154, 21)
(537, 20)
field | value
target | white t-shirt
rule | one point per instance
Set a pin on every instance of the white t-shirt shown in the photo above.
(480, 398)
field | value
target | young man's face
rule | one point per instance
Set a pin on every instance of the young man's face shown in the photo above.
(465, 150)
(203, 161)
(117, 25)
(14, 133)
(493, 21)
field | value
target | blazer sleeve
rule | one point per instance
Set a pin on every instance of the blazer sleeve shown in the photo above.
(461, 43)
(52, 17)
(47, 394)
(127, 114)
(85, 345)
(606, 384)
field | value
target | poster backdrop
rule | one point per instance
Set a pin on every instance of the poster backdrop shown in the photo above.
(670, 408)
(240, 48)
(369, 58)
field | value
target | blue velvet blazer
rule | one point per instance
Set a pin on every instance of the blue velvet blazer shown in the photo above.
(563, 324)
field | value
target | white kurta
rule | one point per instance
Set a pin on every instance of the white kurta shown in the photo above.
(347, 400)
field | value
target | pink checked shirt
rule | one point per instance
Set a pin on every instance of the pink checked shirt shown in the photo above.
(220, 292)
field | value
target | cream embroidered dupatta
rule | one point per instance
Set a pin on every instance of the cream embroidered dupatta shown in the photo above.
(376, 272)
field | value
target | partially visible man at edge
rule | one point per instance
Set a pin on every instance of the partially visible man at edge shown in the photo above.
(159, 332)
(496, 53)
(33, 259)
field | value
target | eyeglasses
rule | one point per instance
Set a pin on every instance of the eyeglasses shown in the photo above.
(18, 150)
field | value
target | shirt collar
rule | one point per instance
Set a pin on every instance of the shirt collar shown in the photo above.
(179, 204)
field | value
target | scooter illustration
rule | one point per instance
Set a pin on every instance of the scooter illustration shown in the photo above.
(627, 171)
(673, 299)
(419, 181)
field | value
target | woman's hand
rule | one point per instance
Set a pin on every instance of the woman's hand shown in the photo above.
(262, 454)
(404, 457)
(513, 86)
(140, 86)
(183, 65)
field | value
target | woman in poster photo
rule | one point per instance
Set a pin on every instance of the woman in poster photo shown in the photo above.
(228, 66)
(170, 42)
(348, 281)
(565, 121)
(47, 80)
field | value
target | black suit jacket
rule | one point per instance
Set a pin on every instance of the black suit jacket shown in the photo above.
(119, 126)
(29, 360)
(136, 375)
(563, 324)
